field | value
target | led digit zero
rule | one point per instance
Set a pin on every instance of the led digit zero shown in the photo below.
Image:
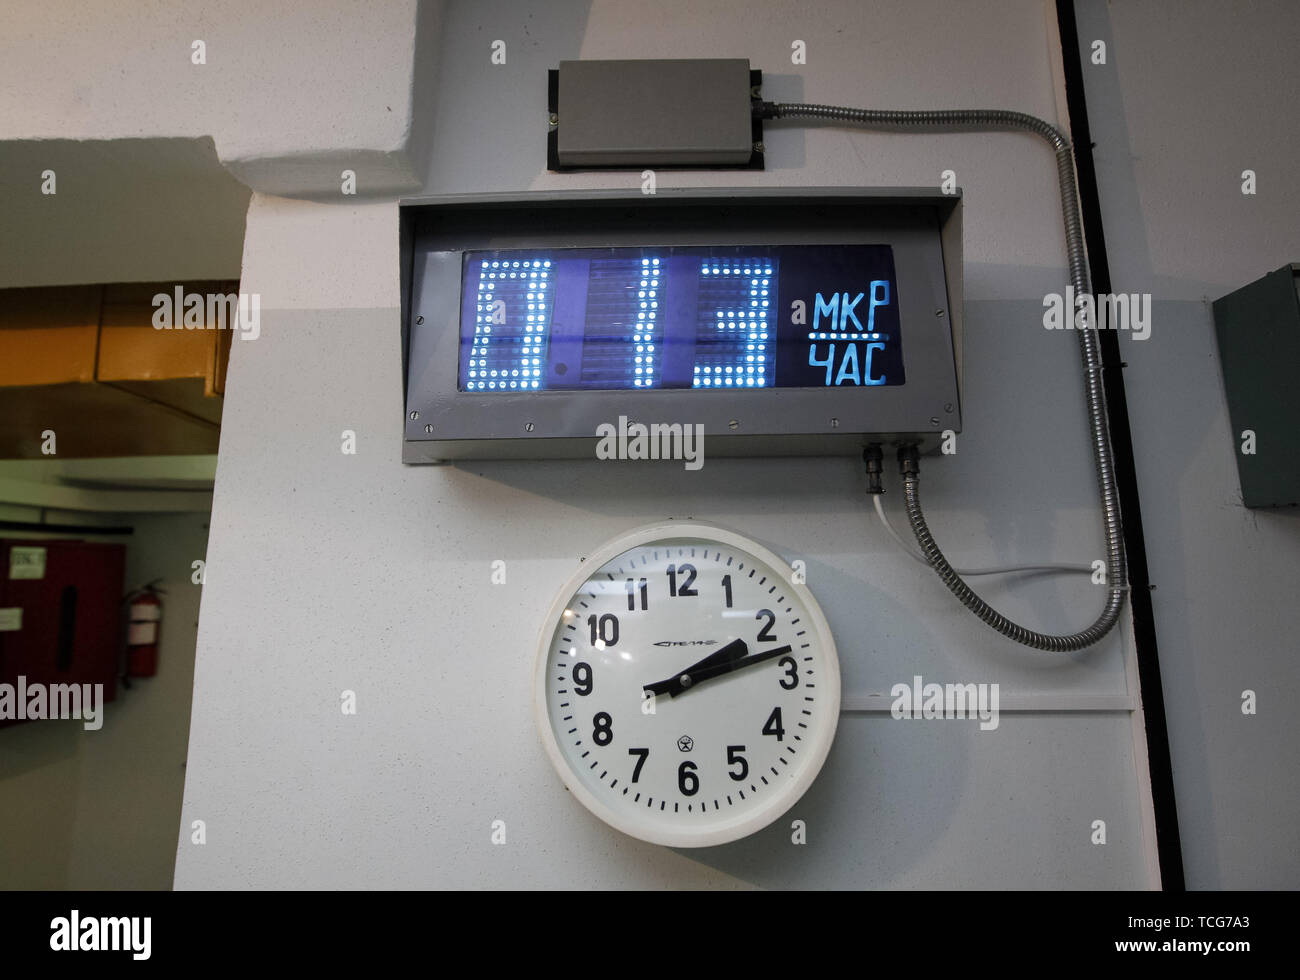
(513, 299)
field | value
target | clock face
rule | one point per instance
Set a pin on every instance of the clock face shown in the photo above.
(687, 688)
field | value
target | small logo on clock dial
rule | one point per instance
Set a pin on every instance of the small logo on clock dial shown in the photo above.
(685, 744)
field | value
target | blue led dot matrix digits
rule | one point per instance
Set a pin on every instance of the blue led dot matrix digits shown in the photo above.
(614, 339)
(679, 316)
(645, 327)
(512, 316)
(735, 333)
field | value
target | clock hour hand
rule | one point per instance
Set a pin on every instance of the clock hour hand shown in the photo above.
(740, 663)
(684, 678)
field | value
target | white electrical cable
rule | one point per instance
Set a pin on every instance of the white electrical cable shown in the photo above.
(1058, 569)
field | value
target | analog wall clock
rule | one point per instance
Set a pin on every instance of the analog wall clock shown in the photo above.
(687, 688)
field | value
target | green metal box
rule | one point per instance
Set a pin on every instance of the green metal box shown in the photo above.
(1258, 330)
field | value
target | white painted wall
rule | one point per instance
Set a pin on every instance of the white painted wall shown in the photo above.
(333, 572)
(126, 210)
(107, 98)
(286, 90)
(1185, 103)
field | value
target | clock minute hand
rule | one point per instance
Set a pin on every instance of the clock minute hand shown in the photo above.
(733, 651)
(740, 663)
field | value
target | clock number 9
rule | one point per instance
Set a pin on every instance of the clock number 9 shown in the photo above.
(582, 679)
(791, 674)
(602, 732)
(687, 781)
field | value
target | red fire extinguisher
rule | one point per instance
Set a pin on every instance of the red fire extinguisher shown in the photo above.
(142, 631)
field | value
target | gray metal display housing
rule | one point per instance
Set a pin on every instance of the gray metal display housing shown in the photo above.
(444, 424)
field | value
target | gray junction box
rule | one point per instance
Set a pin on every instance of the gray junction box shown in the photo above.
(653, 113)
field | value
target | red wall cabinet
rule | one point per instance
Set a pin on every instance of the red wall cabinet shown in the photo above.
(60, 612)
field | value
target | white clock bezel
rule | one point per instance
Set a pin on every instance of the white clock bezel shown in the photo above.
(829, 686)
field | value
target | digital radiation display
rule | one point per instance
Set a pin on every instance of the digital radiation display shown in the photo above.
(698, 317)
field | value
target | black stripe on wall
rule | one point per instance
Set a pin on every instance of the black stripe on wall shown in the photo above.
(1168, 842)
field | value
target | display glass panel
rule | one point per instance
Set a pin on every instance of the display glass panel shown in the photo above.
(700, 317)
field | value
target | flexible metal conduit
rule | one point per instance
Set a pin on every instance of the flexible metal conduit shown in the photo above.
(1089, 348)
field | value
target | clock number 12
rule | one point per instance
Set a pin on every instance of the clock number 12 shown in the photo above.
(687, 588)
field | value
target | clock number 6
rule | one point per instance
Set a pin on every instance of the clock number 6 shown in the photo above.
(687, 781)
